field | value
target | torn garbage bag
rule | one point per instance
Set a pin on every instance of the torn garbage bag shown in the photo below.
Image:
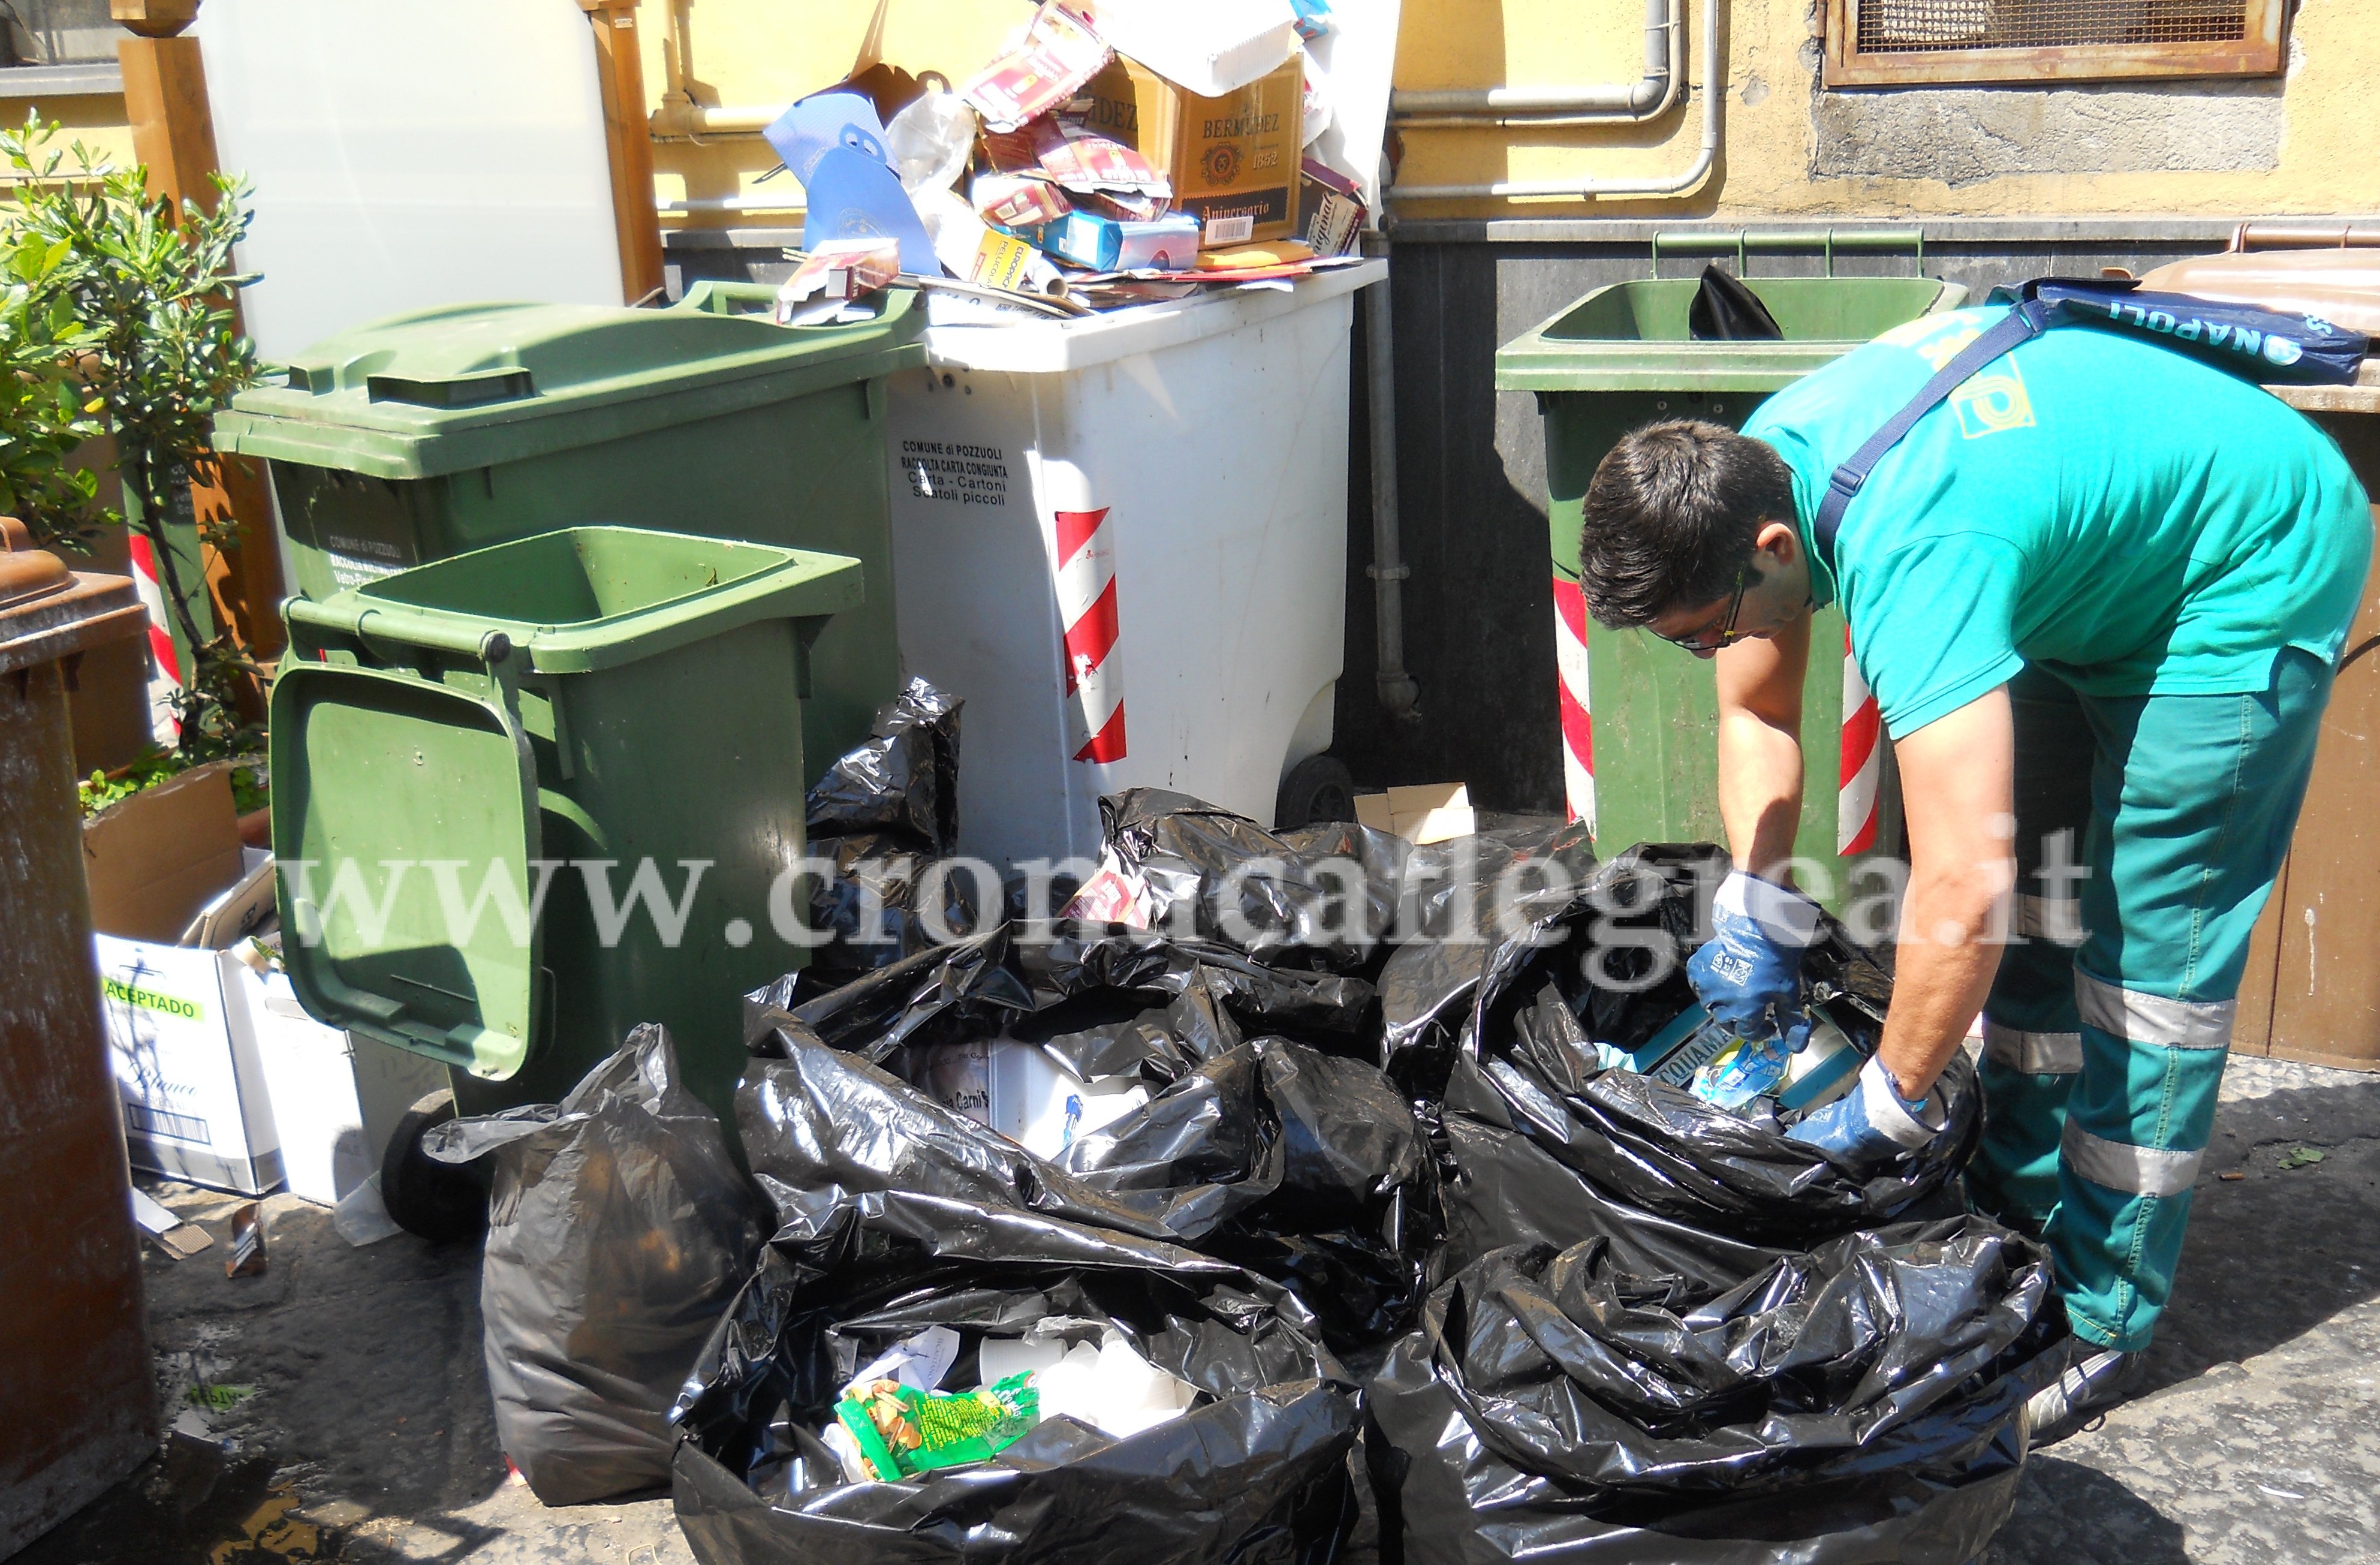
(1255, 1468)
(618, 1230)
(1497, 906)
(888, 811)
(1518, 1021)
(975, 986)
(1319, 896)
(1861, 1401)
(1309, 1169)
(1236, 995)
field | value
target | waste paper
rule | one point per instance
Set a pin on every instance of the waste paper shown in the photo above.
(1255, 1467)
(1111, 143)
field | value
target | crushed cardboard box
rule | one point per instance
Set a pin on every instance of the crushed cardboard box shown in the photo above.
(1420, 813)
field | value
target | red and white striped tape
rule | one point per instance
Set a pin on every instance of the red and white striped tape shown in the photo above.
(165, 667)
(1578, 729)
(1861, 754)
(1087, 605)
(1861, 760)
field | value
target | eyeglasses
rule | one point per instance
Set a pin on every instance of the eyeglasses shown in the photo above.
(1705, 641)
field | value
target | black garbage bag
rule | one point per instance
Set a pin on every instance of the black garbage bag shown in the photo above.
(1861, 1401)
(888, 811)
(1504, 1034)
(1307, 1168)
(1257, 1470)
(1499, 1188)
(1219, 997)
(1513, 909)
(1450, 892)
(1215, 997)
(1726, 310)
(1321, 896)
(1660, 1149)
(883, 902)
(903, 784)
(617, 1233)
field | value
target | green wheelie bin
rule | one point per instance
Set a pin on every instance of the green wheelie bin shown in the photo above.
(1640, 718)
(531, 797)
(426, 435)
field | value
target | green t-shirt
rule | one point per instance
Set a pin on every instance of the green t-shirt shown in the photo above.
(2136, 521)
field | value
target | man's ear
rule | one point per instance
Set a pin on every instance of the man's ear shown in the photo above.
(1780, 542)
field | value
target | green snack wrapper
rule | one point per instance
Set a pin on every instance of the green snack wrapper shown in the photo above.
(903, 1431)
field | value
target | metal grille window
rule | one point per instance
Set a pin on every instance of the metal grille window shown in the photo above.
(57, 33)
(1879, 42)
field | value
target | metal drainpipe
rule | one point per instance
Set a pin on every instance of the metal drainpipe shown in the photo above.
(1604, 103)
(1400, 694)
(680, 118)
(1713, 75)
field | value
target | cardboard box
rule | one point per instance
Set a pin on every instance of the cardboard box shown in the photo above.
(337, 1097)
(196, 1106)
(1232, 159)
(1422, 812)
(153, 860)
(224, 1079)
(1170, 244)
(1329, 209)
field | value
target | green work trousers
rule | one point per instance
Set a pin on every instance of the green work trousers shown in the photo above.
(2149, 830)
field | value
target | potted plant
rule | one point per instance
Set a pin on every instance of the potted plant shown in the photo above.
(121, 322)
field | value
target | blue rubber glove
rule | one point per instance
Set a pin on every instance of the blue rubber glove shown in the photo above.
(1748, 973)
(1872, 1123)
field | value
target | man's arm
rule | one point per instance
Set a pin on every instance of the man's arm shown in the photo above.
(1760, 744)
(1957, 788)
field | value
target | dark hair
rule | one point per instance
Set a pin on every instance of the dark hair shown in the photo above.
(1670, 517)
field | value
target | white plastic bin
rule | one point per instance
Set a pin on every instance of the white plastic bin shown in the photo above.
(1122, 538)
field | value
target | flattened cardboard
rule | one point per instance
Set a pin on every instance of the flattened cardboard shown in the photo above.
(153, 860)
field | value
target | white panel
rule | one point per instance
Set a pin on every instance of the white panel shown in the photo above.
(440, 151)
(1214, 434)
(1354, 60)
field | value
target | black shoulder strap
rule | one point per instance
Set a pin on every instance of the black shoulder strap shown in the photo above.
(2020, 324)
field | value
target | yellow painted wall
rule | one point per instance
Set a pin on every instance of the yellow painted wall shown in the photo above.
(97, 122)
(2330, 150)
(766, 52)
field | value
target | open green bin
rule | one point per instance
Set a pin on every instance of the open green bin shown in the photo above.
(426, 435)
(1648, 767)
(608, 712)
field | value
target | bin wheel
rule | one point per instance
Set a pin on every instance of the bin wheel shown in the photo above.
(428, 1198)
(1318, 788)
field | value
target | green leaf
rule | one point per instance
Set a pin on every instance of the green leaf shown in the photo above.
(2303, 1157)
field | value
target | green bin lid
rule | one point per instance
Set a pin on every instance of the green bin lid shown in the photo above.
(580, 599)
(468, 386)
(1632, 336)
(378, 767)
(380, 777)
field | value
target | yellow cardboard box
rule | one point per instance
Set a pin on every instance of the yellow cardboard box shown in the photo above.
(1232, 159)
